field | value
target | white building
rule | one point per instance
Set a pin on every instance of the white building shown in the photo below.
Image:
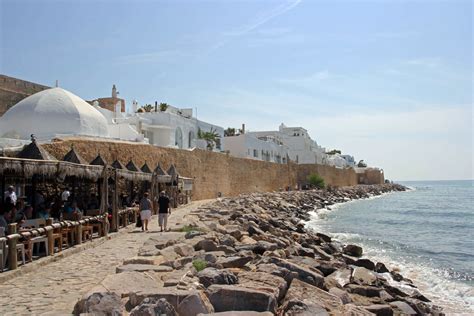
(248, 146)
(301, 148)
(52, 113)
(176, 128)
(120, 125)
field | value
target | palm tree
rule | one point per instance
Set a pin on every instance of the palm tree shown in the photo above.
(229, 132)
(210, 137)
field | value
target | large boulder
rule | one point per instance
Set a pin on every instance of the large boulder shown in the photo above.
(305, 299)
(273, 269)
(171, 295)
(264, 282)
(99, 303)
(362, 275)
(195, 304)
(380, 309)
(154, 307)
(353, 250)
(234, 262)
(366, 263)
(184, 250)
(236, 298)
(130, 281)
(304, 274)
(402, 308)
(206, 245)
(210, 276)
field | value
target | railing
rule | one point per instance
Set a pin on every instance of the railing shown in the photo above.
(126, 216)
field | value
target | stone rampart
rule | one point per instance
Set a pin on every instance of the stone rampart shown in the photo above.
(13, 90)
(212, 172)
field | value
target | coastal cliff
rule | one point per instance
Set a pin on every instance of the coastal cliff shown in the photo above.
(253, 255)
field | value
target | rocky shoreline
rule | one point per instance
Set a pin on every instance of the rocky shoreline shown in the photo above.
(252, 255)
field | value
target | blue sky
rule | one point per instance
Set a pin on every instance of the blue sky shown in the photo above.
(387, 81)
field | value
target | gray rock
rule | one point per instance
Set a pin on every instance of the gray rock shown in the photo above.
(403, 308)
(264, 282)
(353, 250)
(380, 310)
(362, 275)
(273, 269)
(236, 298)
(104, 303)
(184, 250)
(366, 263)
(305, 299)
(304, 274)
(124, 283)
(238, 313)
(192, 234)
(142, 268)
(206, 245)
(234, 262)
(171, 295)
(210, 276)
(195, 304)
(380, 268)
(345, 298)
(364, 290)
(153, 307)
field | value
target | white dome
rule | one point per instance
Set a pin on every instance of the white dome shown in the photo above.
(50, 113)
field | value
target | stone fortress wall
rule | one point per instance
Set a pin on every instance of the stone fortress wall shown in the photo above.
(212, 172)
(13, 90)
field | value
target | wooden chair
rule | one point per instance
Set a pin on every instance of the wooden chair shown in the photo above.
(57, 236)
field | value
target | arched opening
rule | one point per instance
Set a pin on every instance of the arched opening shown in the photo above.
(191, 138)
(178, 138)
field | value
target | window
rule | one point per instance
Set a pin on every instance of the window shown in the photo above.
(255, 153)
(191, 139)
(178, 138)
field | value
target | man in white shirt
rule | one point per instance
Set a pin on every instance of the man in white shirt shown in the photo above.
(65, 195)
(10, 195)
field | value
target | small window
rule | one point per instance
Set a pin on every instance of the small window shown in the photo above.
(255, 153)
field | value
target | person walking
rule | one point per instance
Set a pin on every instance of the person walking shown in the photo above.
(145, 210)
(164, 210)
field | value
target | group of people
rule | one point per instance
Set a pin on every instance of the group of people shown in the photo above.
(17, 210)
(146, 210)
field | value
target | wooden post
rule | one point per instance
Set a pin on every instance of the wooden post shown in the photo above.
(115, 223)
(78, 231)
(12, 252)
(49, 232)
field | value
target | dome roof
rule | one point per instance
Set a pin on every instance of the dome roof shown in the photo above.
(50, 113)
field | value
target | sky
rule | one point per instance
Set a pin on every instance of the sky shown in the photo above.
(388, 81)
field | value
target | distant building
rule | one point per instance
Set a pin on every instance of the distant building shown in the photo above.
(113, 103)
(266, 148)
(176, 128)
(301, 148)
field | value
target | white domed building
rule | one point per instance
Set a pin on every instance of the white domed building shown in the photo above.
(52, 113)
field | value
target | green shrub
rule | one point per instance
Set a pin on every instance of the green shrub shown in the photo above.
(199, 264)
(188, 228)
(316, 181)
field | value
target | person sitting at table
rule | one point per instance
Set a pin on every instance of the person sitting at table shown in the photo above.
(44, 212)
(4, 218)
(18, 214)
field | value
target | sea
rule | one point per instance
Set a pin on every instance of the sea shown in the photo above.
(427, 233)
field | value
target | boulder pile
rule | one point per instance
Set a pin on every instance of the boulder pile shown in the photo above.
(253, 255)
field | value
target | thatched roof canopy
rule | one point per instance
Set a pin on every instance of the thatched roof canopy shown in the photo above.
(118, 165)
(35, 151)
(145, 168)
(172, 171)
(159, 171)
(74, 157)
(132, 166)
(99, 161)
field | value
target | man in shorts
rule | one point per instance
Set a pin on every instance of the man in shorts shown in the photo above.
(164, 210)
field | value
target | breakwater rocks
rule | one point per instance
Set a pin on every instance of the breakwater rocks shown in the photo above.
(252, 255)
